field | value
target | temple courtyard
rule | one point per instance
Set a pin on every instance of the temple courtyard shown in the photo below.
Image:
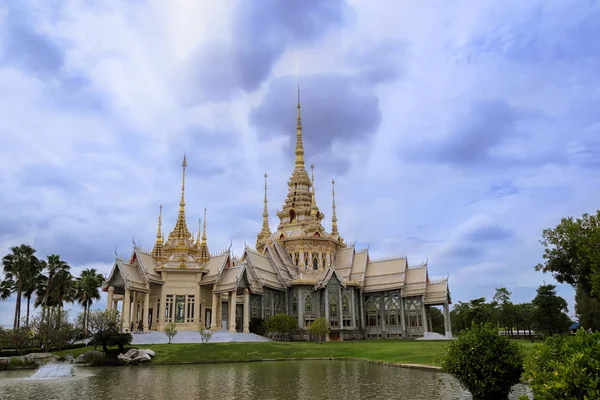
(154, 337)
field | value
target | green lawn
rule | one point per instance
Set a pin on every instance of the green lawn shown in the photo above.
(393, 351)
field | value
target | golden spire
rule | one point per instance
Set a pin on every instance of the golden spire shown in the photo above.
(299, 147)
(265, 231)
(157, 250)
(204, 253)
(204, 231)
(334, 228)
(199, 230)
(314, 210)
(180, 231)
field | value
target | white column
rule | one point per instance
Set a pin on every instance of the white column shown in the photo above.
(115, 306)
(300, 298)
(145, 311)
(402, 316)
(232, 307)
(424, 316)
(213, 313)
(246, 311)
(447, 324)
(197, 315)
(109, 301)
(353, 308)
(126, 311)
(162, 313)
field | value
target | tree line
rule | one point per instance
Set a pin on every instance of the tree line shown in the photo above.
(48, 282)
(545, 314)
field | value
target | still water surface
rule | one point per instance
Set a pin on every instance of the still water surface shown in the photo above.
(347, 380)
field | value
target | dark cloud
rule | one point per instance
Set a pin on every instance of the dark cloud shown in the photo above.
(488, 232)
(381, 62)
(216, 70)
(334, 107)
(40, 176)
(478, 138)
(503, 189)
(465, 251)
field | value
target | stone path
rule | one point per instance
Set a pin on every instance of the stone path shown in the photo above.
(154, 337)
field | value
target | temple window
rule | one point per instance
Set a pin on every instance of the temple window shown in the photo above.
(391, 302)
(412, 307)
(324, 258)
(190, 308)
(297, 259)
(316, 235)
(372, 306)
(346, 311)
(255, 306)
(179, 307)
(315, 258)
(294, 304)
(292, 215)
(308, 306)
(334, 311)
(306, 260)
(282, 236)
(268, 304)
(169, 308)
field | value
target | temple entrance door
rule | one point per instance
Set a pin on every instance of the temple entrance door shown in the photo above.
(224, 315)
(239, 317)
(149, 319)
(207, 318)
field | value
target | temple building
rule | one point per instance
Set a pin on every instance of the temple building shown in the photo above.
(300, 269)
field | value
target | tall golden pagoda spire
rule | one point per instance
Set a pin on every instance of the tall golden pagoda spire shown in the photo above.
(158, 245)
(199, 230)
(334, 227)
(180, 232)
(299, 146)
(314, 211)
(265, 231)
(204, 253)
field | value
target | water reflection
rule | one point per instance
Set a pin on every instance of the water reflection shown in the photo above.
(269, 380)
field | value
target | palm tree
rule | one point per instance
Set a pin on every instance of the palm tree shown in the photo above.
(62, 289)
(55, 267)
(87, 290)
(36, 278)
(20, 265)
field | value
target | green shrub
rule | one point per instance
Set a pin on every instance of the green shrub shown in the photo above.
(121, 340)
(320, 327)
(257, 326)
(281, 325)
(486, 364)
(565, 367)
(171, 331)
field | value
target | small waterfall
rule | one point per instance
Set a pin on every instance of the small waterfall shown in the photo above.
(54, 371)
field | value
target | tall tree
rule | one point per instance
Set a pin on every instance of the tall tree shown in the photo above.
(19, 268)
(505, 312)
(587, 310)
(32, 284)
(87, 290)
(55, 266)
(550, 310)
(572, 253)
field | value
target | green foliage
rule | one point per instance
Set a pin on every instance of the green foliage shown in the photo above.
(103, 325)
(565, 367)
(486, 364)
(19, 337)
(54, 330)
(550, 309)
(572, 253)
(437, 320)
(320, 327)
(257, 326)
(281, 325)
(205, 335)
(587, 310)
(170, 331)
(476, 311)
(121, 340)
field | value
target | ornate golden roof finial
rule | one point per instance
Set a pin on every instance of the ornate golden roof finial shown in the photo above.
(265, 231)
(204, 231)
(158, 245)
(334, 228)
(199, 230)
(299, 147)
(180, 231)
(204, 253)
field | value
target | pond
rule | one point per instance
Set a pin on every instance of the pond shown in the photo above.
(262, 380)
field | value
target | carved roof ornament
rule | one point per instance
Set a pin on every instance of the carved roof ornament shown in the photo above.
(203, 249)
(265, 231)
(158, 245)
(334, 227)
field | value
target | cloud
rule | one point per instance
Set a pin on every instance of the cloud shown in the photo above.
(219, 69)
(334, 108)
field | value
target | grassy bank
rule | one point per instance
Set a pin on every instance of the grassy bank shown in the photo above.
(392, 351)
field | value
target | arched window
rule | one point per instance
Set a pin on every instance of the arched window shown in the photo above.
(324, 258)
(317, 234)
(297, 259)
(292, 215)
(315, 262)
(282, 236)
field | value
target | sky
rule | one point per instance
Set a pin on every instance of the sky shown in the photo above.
(456, 131)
